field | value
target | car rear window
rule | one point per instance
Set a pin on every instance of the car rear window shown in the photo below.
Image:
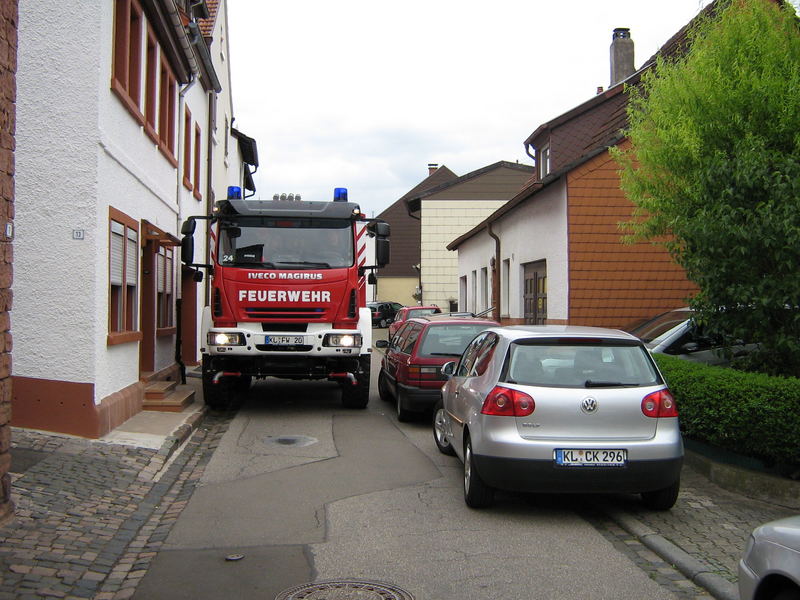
(567, 363)
(421, 312)
(656, 326)
(449, 339)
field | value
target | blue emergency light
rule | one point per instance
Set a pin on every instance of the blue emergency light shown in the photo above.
(234, 192)
(340, 195)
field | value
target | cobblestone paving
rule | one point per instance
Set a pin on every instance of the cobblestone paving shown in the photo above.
(708, 522)
(91, 516)
(647, 560)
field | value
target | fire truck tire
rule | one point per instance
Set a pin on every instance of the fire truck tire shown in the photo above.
(357, 396)
(217, 396)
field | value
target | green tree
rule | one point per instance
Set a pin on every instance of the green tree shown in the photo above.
(713, 170)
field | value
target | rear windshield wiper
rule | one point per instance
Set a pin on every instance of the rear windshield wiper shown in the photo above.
(592, 384)
(442, 354)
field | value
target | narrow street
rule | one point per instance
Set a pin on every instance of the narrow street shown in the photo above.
(292, 488)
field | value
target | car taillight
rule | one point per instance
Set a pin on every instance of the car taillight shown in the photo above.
(420, 372)
(505, 402)
(659, 404)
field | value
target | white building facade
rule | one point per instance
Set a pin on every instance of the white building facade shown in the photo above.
(117, 124)
(533, 239)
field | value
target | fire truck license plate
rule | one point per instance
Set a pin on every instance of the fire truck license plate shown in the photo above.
(284, 340)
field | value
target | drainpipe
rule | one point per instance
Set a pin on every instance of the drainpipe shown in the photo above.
(495, 273)
(188, 50)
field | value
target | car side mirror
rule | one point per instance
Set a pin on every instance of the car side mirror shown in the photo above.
(449, 368)
(381, 343)
(690, 347)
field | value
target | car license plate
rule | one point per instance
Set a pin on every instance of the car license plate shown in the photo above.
(284, 340)
(573, 457)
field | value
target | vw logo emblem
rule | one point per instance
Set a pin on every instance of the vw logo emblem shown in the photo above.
(589, 405)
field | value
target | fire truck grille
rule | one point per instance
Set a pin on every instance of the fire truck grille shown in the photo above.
(282, 314)
(298, 348)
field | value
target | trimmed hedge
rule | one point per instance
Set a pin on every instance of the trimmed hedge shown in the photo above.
(751, 414)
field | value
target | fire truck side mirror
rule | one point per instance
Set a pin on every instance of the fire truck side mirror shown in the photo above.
(379, 229)
(381, 251)
(188, 227)
(187, 249)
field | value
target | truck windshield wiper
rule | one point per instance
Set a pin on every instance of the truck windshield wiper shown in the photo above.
(310, 265)
(591, 384)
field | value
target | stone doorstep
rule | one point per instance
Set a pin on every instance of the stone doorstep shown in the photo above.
(175, 401)
(156, 390)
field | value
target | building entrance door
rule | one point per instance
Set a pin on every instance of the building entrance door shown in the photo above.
(535, 292)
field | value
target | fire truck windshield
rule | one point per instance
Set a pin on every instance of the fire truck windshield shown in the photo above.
(285, 243)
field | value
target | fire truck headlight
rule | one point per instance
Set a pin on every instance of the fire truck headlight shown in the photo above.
(222, 338)
(342, 340)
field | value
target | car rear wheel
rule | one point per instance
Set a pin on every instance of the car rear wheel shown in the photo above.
(662, 499)
(403, 414)
(476, 493)
(439, 435)
(383, 387)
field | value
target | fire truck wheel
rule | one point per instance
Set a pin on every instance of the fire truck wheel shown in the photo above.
(357, 396)
(217, 396)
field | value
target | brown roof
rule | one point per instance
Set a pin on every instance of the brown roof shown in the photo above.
(588, 129)
(405, 229)
(207, 25)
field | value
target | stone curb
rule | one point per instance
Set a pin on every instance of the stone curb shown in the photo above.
(759, 486)
(693, 569)
(181, 434)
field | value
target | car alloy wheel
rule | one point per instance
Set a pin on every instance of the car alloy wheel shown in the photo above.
(476, 493)
(439, 435)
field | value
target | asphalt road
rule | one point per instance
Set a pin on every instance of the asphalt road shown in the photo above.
(300, 489)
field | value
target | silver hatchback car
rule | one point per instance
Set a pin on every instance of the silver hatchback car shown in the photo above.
(560, 409)
(770, 567)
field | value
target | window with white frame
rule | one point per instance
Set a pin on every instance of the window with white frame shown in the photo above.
(544, 162)
(123, 322)
(484, 288)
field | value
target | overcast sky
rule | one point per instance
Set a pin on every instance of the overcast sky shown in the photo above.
(364, 94)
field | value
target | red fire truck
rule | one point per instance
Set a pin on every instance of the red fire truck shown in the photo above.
(288, 293)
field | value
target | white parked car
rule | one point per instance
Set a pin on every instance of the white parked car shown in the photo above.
(770, 567)
(560, 409)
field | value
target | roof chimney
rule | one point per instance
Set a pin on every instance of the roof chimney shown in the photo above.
(432, 167)
(621, 55)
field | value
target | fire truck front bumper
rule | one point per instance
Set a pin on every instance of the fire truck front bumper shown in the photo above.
(324, 344)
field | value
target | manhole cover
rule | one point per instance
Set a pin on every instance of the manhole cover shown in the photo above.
(345, 590)
(291, 440)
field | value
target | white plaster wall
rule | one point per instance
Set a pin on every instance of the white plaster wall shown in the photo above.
(536, 230)
(442, 222)
(56, 308)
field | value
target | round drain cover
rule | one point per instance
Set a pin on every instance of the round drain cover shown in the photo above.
(291, 440)
(345, 590)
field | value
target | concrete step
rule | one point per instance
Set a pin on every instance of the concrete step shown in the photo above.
(174, 401)
(158, 390)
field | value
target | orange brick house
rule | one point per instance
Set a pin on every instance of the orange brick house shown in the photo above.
(554, 253)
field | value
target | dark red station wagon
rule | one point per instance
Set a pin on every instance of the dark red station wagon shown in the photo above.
(411, 369)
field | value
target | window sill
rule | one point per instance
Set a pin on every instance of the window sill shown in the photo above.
(121, 93)
(168, 154)
(165, 331)
(151, 133)
(123, 337)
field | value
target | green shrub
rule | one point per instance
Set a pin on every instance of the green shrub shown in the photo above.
(752, 414)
